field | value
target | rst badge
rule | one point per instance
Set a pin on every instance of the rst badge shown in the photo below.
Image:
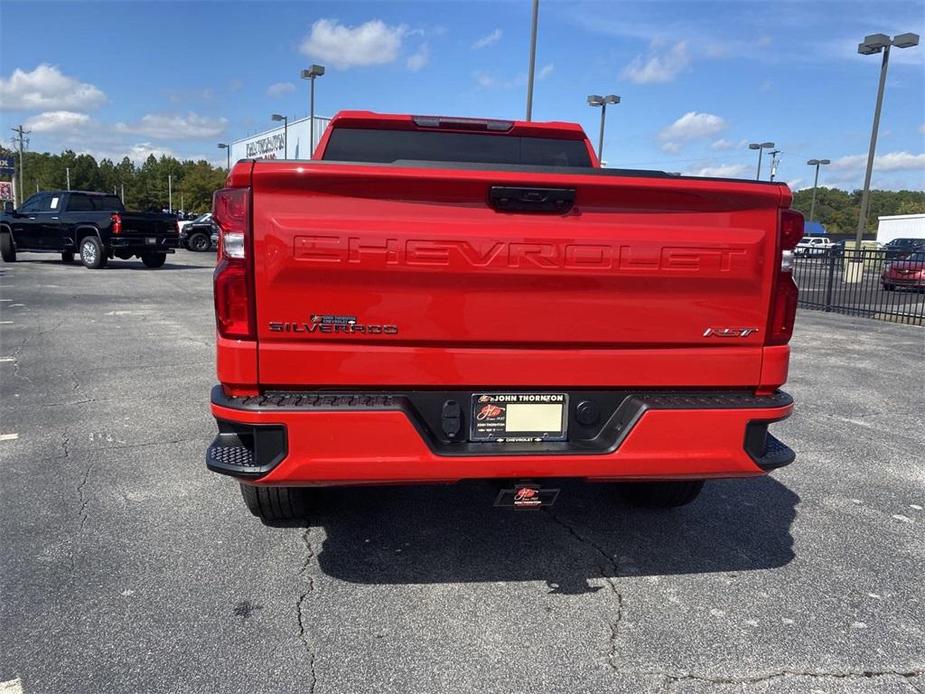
(729, 332)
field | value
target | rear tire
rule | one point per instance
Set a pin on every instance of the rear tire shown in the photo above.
(199, 242)
(92, 253)
(662, 494)
(67, 257)
(153, 260)
(7, 249)
(275, 504)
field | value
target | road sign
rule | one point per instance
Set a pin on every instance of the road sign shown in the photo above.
(7, 163)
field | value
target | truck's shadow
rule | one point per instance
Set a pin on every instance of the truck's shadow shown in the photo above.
(454, 534)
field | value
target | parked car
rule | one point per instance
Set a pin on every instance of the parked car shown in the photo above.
(813, 245)
(197, 234)
(900, 248)
(94, 225)
(452, 298)
(908, 272)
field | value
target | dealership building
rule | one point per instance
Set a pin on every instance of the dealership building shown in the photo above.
(292, 142)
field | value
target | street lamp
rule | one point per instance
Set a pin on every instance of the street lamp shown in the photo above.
(876, 43)
(760, 146)
(817, 163)
(532, 64)
(227, 148)
(602, 101)
(310, 74)
(285, 120)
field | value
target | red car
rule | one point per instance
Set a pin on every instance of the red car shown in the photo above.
(908, 272)
(437, 299)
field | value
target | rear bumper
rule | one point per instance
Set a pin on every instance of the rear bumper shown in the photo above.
(162, 244)
(299, 439)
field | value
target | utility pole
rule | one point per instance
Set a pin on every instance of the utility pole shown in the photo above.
(20, 190)
(67, 169)
(774, 160)
(169, 193)
(122, 197)
(531, 69)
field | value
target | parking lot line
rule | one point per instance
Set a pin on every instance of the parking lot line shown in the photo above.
(8, 437)
(6, 359)
(6, 322)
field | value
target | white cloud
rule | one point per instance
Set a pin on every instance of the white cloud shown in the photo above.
(794, 184)
(342, 46)
(46, 87)
(723, 144)
(175, 126)
(546, 71)
(280, 88)
(487, 40)
(57, 122)
(484, 80)
(922, 128)
(657, 66)
(690, 126)
(419, 59)
(721, 171)
(893, 161)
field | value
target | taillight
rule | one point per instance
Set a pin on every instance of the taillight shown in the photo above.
(232, 279)
(116, 223)
(785, 293)
(791, 229)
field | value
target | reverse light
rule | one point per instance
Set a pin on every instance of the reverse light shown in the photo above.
(116, 223)
(786, 261)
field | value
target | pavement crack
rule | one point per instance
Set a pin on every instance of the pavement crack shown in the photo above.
(609, 573)
(673, 679)
(300, 610)
(84, 498)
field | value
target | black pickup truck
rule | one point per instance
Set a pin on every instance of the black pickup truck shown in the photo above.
(95, 225)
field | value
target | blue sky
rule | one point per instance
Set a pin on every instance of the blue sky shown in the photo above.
(698, 80)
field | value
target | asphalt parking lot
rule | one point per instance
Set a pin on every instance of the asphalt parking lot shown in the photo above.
(127, 567)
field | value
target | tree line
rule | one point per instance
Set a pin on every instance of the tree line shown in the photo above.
(145, 186)
(838, 210)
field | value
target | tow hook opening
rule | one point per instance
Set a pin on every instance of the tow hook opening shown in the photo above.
(526, 495)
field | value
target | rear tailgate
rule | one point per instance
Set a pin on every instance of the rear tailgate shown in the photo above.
(148, 224)
(444, 290)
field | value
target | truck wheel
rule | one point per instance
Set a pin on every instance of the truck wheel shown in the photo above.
(153, 260)
(199, 242)
(67, 257)
(274, 504)
(7, 249)
(662, 494)
(92, 254)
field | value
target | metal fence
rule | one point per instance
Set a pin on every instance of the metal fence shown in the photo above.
(853, 283)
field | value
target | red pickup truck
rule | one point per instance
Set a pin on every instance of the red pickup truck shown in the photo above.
(437, 299)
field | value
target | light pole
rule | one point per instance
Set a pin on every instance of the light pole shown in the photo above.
(602, 101)
(531, 69)
(876, 43)
(285, 120)
(760, 146)
(774, 160)
(227, 148)
(817, 163)
(310, 74)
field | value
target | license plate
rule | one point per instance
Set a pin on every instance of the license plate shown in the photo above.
(150, 240)
(519, 417)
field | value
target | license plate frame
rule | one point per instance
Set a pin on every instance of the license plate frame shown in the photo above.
(534, 417)
(151, 240)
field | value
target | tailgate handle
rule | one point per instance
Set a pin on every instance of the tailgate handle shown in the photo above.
(542, 200)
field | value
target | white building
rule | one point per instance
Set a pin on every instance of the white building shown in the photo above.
(272, 144)
(901, 226)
